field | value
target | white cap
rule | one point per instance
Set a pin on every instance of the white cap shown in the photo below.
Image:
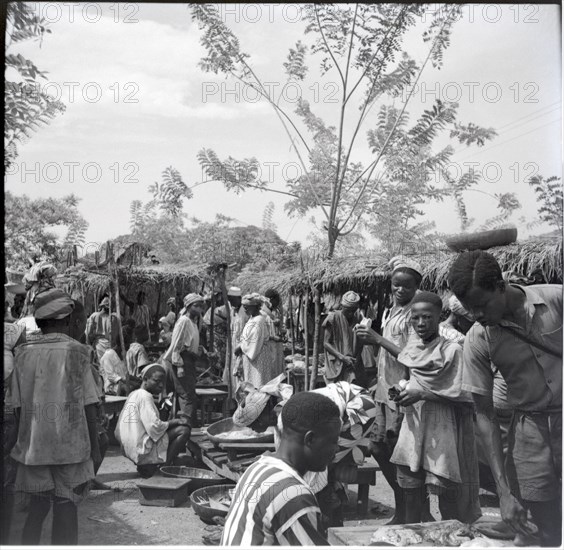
(234, 291)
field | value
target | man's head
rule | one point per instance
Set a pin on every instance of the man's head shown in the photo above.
(252, 303)
(273, 296)
(426, 310)
(154, 379)
(105, 304)
(311, 424)
(140, 334)
(194, 304)
(350, 303)
(171, 302)
(475, 278)
(53, 309)
(234, 296)
(78, 322)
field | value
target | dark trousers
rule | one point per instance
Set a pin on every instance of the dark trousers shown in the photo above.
(184, 387)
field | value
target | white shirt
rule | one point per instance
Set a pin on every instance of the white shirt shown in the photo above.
(140, 431)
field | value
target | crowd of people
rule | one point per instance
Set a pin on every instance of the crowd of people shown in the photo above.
(457, 402)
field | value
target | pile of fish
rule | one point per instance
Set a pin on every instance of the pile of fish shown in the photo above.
(441, 533)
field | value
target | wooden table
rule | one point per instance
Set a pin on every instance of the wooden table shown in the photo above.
(230, 460)
(114, 404)
(205, 397)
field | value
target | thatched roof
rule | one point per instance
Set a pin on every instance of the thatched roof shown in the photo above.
(364, 273)
(525, 258)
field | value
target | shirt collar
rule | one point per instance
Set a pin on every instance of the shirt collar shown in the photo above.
(532, 299)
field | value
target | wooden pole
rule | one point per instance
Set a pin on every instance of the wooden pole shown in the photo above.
(212, 317)
(114, 274)
(229, 350)
(299, 318)
(291, 314)
(317, 330)
(306, 338)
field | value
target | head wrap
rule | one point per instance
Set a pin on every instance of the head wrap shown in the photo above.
(105, 302)
(253, 299)
(234, 291)
(192, 298)
(53, 304)
(149, 369)
(457, 308)
(402, 262)
(164, 321)
(350, 299)
(254, 401)
(171, 300)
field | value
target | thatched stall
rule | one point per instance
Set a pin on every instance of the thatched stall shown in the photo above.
(159, 282)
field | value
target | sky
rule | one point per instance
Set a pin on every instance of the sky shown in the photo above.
(137, 102)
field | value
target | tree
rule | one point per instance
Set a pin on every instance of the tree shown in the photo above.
(549, 195)
(26, 107)
(362, 45)
(27, 228)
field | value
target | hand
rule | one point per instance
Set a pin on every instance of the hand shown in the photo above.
(368, 336)
(514, 514)
(348, 361)
(409, 396)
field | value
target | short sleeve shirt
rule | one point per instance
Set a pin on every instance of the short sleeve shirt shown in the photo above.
(533, 376)
(52, 382)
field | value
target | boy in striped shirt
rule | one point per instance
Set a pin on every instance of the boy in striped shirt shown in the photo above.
(273, 505)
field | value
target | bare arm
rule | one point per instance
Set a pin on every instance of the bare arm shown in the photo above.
(489, 433)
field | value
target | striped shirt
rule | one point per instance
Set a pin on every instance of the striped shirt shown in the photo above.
(273, 506)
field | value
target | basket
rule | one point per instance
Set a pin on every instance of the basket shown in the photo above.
(226, 425)
(198, 477)
(206, 513)
(482, 240)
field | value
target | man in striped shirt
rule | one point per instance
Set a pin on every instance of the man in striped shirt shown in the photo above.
(273, 505)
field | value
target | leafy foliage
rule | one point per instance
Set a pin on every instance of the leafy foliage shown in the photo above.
(362, 44)
(26, 106)
(27, 226)
(549, 196)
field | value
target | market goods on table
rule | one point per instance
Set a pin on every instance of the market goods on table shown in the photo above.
(441, 533)
(224, 431)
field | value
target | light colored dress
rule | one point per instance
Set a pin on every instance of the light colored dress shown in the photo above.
(140, 431)
(258, 365)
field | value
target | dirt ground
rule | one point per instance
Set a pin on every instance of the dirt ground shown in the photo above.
(116, 517)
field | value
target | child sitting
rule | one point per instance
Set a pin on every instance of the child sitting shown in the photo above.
(136, 357)
(145, 439)
(436, 440)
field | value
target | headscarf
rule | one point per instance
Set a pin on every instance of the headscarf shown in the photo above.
(402, 262)
(39, 278)
(53, 304)
(164, 321)
(105, 302)
(172, 301)
(234, 291)
(149, 369)
(254, 401)
(350, 299)
(192, 298)
(253, 299)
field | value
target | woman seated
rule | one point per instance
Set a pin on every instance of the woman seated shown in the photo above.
(145, 439)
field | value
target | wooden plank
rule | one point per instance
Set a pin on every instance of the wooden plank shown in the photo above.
(248, 446)
(221, 470)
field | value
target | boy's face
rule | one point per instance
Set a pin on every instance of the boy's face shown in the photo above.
(425, 320)
(349, 312)
(321, 446)
(155, 384)
(195, 310)
(403, 288)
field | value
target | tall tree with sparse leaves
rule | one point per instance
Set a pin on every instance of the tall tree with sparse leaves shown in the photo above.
(549, 195)
(362, 45)
(27, 107)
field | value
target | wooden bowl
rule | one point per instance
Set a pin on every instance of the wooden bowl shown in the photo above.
(482, 240)
(226, 425)
(206, 513)
(198, 477)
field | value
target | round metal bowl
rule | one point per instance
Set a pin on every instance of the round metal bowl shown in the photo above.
(226, 425)
(207, 512)
(198, 477)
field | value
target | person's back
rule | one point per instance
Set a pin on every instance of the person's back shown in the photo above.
(52, 384)
(273, 505)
